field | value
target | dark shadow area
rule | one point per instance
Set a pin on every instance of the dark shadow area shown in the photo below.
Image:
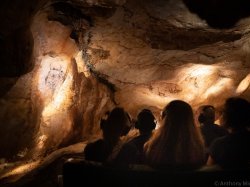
(187, 39)
(68, 13)
(82, 173)
(6, 84)
(16, 52)
(220, 13)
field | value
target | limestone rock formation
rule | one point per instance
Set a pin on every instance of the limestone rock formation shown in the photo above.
(65, 63)
(162, 46)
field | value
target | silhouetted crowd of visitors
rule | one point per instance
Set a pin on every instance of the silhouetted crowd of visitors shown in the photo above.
(178, 142)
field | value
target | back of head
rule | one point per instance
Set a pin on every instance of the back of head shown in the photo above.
(236, 114)
(117, 123)
(145, 121)
(177, 141)
(207, 114)
(178, 113)
(178, 122)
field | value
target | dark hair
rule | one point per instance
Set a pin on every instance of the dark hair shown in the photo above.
(117, 123)
(236, 114)
(145, 121)
(207, 114)
(178, 141)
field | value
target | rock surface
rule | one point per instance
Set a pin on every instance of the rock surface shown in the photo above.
(154, 52)
(66, 63)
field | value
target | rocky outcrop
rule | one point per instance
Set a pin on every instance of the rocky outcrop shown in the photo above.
(18, 120)
(70, 62)
(167, 53)
(225, 14)
(56, 104)
(70, 100)
(16, 41)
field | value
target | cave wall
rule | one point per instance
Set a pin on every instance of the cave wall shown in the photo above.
(157, 51)
(71, 101)
(56, 104)
(65, 63)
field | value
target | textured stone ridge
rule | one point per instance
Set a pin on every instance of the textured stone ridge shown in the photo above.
(162, 46)
(67, 64)
(56, 104)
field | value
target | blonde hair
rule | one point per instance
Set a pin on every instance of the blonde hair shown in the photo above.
(178, 141)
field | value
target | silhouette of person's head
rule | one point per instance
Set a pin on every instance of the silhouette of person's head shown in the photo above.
(178, 140)
(145, 121)
(207, 114)
(236, 114)
(117, 124)
(178, 113)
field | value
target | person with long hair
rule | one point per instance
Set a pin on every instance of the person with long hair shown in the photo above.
(178, 142)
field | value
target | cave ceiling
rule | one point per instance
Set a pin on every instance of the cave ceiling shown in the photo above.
(131, 45)
(72, 60)
(150, 52)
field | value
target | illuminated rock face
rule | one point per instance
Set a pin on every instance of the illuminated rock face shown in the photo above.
(135, 54)
(56, 104)
(155, 52)
(70, 100)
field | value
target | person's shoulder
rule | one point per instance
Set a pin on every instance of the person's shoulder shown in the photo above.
(205, 128)
(241, 136)
(96, 143)
(128, 148)
(134, 140)
(221, 141)
(217, 146)
(130, 144)
(202, 126)
(216, 126)
(95, 151)
(220, 129)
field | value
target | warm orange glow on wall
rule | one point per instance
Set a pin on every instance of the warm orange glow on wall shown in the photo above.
(81, 65)
(52, 74)
(22, 169)
(55, 84)
(56, 87)
(41, 142)
(218, 88)
(244, 85)
(197, 84)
